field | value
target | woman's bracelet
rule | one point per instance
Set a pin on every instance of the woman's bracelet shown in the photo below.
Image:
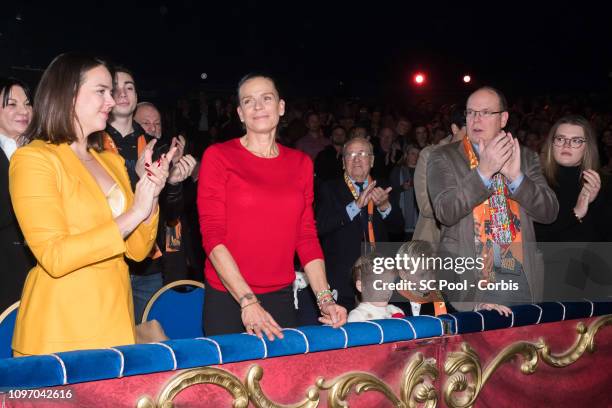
(249, 304)
(325, 300)
(323, 293)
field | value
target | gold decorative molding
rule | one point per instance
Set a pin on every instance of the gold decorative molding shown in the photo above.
(465, 381)
(584, 342)
(414, 390)
(466, 361)
(467, 377)
(204, 375)
(259, 399)
(340, 387)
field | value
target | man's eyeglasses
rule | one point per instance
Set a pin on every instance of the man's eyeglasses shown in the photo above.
(471, 113)
(574, 142)
(355, 155)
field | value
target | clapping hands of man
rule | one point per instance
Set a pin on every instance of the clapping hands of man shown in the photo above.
(502, 154)
(182, 165)
(378, 195)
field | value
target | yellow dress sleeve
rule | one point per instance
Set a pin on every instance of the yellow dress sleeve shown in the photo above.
(140, 242)
(34, 184)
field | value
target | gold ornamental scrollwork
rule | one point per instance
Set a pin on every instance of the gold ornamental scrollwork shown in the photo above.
(204, 375)
(465, 381)
(467, 377)
(414, 390)
(259, 399)
(584, 342)
(340, 387)
(466, 361)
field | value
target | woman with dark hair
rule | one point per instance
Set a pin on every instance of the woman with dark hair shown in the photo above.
(255, 203)
(78, 215)
(570, 163)
(15, 116)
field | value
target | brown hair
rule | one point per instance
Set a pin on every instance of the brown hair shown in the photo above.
(54, 115)
(416, 249)
(363, 265)
(590, 160)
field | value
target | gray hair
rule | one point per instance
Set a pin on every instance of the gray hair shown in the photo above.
(356, 140)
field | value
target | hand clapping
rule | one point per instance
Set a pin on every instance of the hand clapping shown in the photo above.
(589, 192)
(501, 154)
(379, 196)
(182, 169)
(158, 171)
(150, 184)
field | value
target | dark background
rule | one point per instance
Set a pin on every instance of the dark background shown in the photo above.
(331, 48)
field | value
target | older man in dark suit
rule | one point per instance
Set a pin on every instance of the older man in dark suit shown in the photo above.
(353, 213)
(486, 192)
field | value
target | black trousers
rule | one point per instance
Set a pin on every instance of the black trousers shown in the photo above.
(222, 314)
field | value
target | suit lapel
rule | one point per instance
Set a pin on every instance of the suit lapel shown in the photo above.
(4, 162)
(109, 169)
(345, 193)
(463, 155)
(79, 171)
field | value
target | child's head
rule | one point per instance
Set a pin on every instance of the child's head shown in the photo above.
(417, 269)
(372, 286)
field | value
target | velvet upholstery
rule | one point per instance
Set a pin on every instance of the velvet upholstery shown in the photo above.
(121, 361)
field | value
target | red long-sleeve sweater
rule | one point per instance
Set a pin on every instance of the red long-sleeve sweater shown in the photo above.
(261, 210)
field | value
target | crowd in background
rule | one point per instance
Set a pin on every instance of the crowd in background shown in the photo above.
(320, 129)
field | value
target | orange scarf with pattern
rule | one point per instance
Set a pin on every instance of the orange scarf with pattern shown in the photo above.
(497, 225)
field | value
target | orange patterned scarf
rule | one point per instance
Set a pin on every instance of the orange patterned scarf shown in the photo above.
(497, 226)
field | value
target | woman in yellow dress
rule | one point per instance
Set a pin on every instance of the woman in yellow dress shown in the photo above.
(78, 215)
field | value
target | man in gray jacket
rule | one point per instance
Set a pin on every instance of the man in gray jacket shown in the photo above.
(486, 192)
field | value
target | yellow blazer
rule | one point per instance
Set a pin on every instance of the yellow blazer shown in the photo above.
(78, 296)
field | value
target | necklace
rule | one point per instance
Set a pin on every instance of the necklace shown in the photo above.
(273, 150)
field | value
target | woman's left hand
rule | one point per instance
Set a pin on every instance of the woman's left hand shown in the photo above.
(158, 171)
(592, 184)
(333, 314)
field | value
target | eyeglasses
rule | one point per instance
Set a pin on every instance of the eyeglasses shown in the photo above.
(485, 114)
(356, 155)
(574, 142)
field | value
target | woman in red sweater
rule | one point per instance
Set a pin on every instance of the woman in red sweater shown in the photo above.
(255, 204)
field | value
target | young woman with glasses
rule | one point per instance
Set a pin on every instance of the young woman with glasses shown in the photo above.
(570, 164)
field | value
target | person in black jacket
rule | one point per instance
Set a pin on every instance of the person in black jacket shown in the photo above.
(328, 163)
(570, 164)
(17, 260)
(125, 136)
(353, 212)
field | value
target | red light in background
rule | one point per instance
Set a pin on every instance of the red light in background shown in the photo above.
(467, 79)
(419, 78)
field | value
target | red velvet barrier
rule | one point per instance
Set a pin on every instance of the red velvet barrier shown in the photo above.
(586, 383)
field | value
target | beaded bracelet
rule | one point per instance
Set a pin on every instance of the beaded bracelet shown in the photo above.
(325, 300)
(324, 292)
